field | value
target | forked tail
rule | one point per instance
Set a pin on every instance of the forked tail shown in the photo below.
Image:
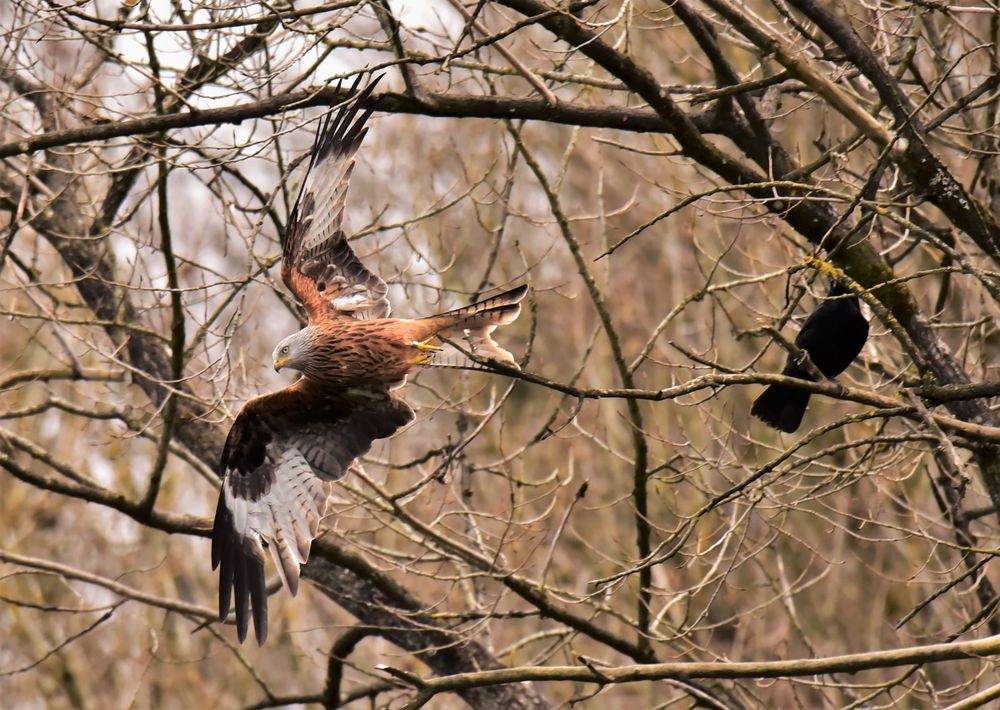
(471, 328)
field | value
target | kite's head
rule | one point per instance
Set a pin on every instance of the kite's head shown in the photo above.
(292, 352)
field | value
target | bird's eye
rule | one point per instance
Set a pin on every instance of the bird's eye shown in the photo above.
(284, 350)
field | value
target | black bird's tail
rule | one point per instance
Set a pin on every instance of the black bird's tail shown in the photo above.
(781, 407)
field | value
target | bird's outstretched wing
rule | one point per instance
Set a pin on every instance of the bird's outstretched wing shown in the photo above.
(281, 450)
(318, 265)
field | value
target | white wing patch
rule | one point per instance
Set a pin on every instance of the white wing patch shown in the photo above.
(287, 517)
(358, 300)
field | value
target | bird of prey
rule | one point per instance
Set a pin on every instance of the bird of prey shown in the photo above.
(284, 447)
(833, 336)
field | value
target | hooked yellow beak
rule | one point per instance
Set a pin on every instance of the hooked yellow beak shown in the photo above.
(280, 363)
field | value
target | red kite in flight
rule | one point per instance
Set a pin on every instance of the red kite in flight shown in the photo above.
(285, 446)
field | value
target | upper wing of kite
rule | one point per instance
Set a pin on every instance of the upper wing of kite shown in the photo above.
(281, 449)
(318, 264)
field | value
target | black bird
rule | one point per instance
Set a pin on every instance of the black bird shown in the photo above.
(833, 335)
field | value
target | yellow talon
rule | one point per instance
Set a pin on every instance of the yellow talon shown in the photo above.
(427, 350)
(426, 345)
(422, 359)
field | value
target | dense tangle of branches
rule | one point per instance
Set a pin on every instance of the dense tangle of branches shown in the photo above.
(678, 182)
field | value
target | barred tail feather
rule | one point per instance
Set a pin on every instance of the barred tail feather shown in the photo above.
(507, 298)
(475, 330)
(473, 325)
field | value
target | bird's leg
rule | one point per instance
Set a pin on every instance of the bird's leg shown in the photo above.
(426, 345)
(427, 350)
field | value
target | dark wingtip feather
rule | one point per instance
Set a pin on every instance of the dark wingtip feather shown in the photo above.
(343, 132)
(219, 528)
(242, 593)
(258, 597)
(241, 575)
(336, 134)
(222, 555)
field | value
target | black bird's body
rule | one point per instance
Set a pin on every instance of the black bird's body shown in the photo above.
(833, 336)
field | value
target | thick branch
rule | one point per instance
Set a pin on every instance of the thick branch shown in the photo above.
(436, 105)
(604, 675)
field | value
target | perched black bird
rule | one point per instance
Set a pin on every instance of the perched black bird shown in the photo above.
(833, 335)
